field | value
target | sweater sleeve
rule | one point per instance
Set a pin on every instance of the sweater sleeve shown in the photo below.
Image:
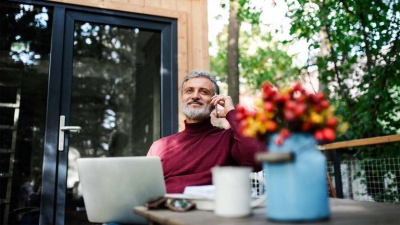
(153, 149)
(244, 148)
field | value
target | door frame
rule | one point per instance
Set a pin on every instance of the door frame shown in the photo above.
(53, 192)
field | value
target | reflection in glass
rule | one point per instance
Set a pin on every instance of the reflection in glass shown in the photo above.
(115, 96)
(24, 62)
(116, 90)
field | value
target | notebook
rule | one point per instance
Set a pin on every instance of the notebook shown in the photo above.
(113, 186)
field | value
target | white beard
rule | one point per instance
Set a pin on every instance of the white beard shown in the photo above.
(196, 113)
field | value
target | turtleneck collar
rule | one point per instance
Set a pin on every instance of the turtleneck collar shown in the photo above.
(198, 127)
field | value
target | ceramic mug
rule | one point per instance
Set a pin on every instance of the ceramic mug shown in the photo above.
(232, 191)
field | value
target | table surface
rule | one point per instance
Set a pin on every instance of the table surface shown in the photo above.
(343, 211)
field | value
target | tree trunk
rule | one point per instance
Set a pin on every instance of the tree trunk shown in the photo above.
(233, 53)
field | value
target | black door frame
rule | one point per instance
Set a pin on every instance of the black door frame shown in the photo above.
(54, 173)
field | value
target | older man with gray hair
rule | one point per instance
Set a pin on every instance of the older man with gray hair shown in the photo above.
(188, 156)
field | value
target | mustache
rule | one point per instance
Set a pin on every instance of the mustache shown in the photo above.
(195, 101)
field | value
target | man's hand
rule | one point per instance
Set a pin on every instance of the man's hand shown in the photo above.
(224, 101)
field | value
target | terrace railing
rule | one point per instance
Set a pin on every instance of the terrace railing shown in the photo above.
(370, 180)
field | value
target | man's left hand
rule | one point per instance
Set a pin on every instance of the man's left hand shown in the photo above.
(224, 101)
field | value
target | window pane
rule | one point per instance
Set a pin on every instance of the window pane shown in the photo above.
(24, 63)
(116, 90)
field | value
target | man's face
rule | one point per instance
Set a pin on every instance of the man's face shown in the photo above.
(197, 93)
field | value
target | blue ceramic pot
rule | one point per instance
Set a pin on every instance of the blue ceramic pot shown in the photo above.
(296, 186)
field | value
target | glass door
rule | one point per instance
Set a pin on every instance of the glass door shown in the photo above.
(112, 74)
(115, 93)
(114, 88)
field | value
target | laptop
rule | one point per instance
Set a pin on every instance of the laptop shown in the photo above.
(113, 186)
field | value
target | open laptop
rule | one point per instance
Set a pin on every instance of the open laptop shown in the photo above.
(113, 186)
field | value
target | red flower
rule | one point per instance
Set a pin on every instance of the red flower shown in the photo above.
(286, 111)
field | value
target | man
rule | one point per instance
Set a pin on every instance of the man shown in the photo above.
(188, 156)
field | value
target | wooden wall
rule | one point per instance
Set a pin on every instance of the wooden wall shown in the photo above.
(192, 28)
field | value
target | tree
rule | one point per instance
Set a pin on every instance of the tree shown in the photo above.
(261, 55)
(233, 52)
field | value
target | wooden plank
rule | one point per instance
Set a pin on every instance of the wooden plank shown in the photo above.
(332, 191)
(190, 31)
(184, 5)
(343, 211)
(183, 60)
(123, 1)
(148, 7)
(169, 4)
(137, 2)
(153, 3)
(205, 55)
(360, 142)
(199, 31)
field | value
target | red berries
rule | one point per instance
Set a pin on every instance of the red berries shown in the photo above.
(332, 122)
(326, 134)
(269, 106)
(329, 134)
(318, 135)
(286, 111)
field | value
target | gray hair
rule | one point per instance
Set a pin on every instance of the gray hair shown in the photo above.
(201, 73)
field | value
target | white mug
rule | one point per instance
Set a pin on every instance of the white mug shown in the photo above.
(232, 191)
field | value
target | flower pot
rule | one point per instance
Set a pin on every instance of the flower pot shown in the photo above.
(295, 180)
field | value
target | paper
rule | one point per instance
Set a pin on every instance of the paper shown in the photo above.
(203, 191)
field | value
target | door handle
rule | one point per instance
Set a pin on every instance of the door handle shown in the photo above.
(73, 129)
(62, 130)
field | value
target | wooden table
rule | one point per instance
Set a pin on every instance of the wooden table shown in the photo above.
(343, 211)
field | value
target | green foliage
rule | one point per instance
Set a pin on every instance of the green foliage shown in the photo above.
(355, 47)
(247, 12)
(269, 61)
(262, 57)
(360, 65)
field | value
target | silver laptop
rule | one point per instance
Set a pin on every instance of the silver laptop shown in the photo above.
(113, 186)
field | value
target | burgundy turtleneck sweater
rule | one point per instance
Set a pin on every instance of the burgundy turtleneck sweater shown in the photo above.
(188, 156)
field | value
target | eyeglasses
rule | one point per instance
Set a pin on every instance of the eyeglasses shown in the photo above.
(174, 204)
